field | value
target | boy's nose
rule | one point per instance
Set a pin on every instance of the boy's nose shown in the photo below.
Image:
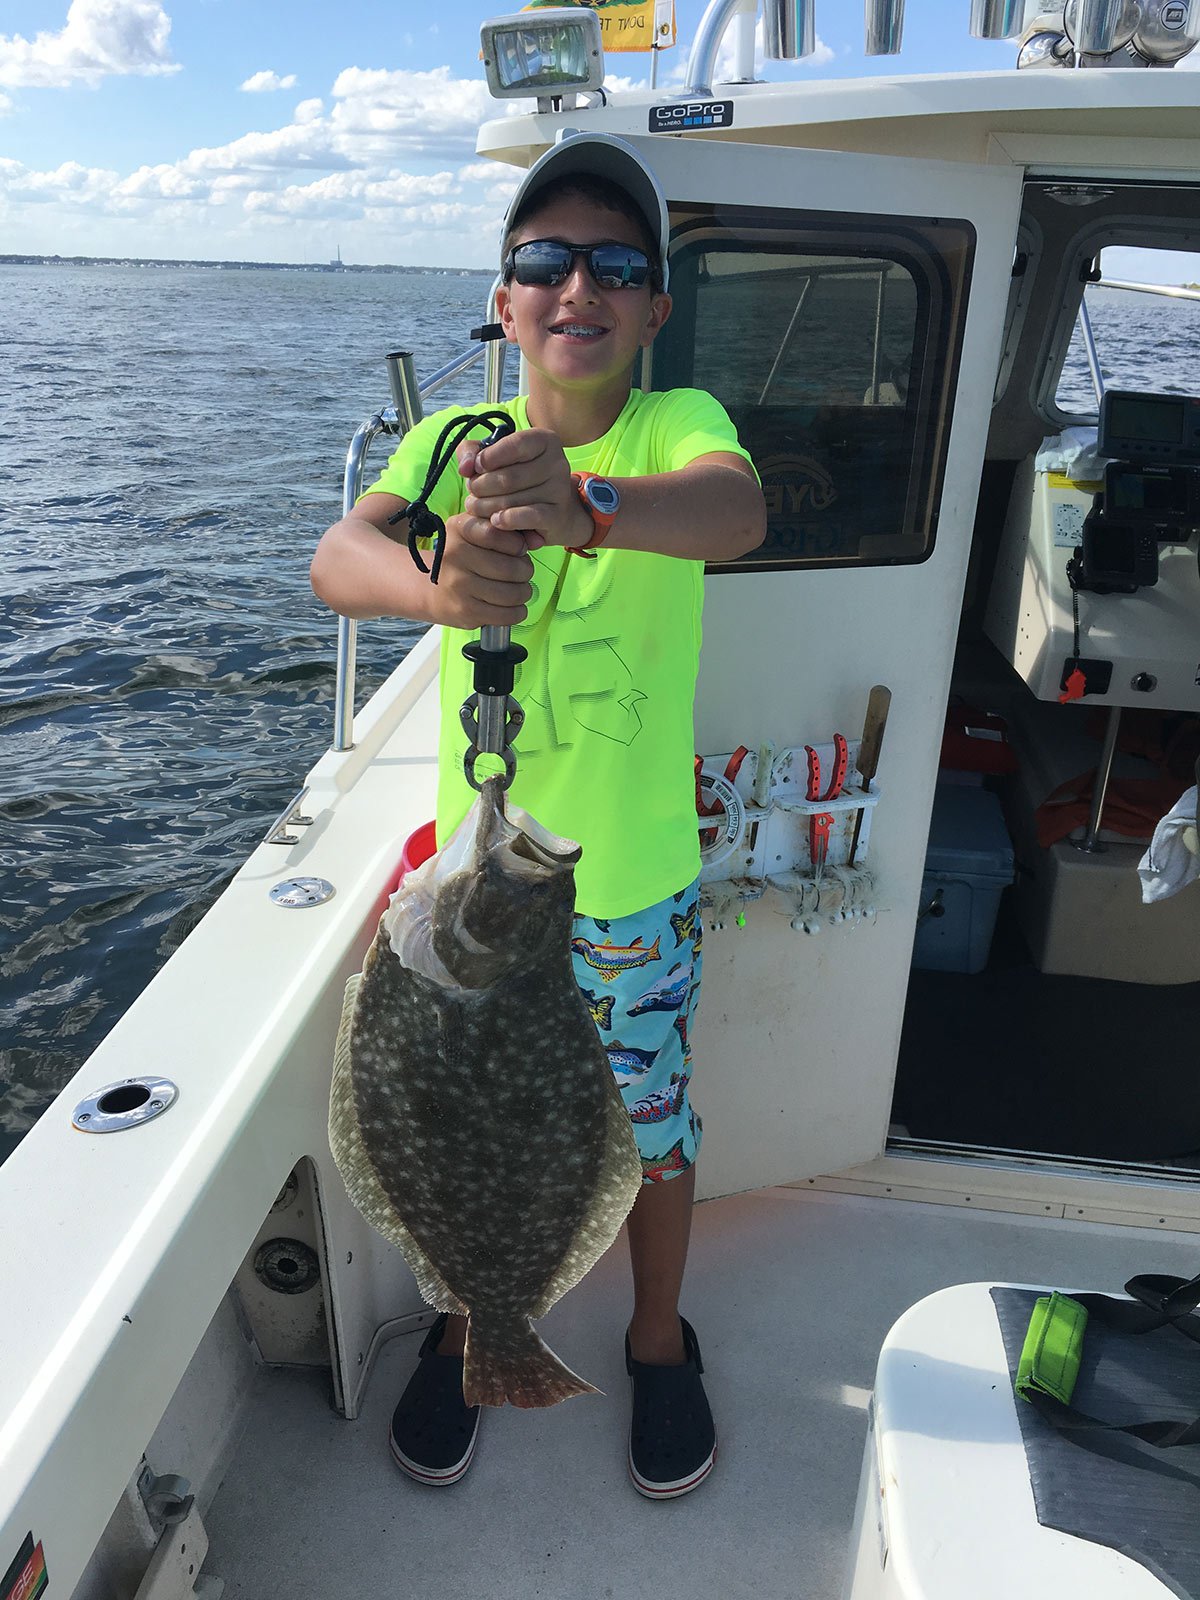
(579, 283)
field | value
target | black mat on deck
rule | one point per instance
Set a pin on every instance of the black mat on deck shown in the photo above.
(1111, 1488)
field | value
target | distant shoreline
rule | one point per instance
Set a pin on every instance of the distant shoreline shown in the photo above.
(22, 260)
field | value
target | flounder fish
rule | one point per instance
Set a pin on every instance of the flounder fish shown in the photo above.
(474, 1115)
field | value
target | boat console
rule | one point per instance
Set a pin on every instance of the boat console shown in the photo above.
(1097, 568)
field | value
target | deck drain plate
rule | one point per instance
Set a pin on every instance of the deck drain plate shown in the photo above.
(296, 894)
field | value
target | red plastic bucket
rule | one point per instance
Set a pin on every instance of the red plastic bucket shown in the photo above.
(418, 847)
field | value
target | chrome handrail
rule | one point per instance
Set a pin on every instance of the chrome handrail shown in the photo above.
(1169, 291)
(702, 62)
(396, 420)
(1089, 346)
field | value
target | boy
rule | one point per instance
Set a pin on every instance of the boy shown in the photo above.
(601, 579)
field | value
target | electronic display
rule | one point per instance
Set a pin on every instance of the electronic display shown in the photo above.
(1146, 419)
(1149, 427)
(1166, 498)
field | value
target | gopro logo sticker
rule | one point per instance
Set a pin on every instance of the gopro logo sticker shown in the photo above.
(691, 114)
(1174, 14)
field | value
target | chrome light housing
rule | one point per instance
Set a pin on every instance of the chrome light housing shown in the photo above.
(544, 53)
(1169, 31)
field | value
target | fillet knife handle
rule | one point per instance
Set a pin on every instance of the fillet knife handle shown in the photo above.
(491, 718)
(878, 704)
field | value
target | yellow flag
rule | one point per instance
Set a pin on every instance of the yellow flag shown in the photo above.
(626, 24)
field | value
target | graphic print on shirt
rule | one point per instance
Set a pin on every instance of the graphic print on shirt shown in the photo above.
(579, 683)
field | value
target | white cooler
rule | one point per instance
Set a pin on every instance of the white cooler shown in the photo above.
(945, 1508)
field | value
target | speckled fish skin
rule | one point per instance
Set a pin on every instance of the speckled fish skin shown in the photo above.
(476, 1122)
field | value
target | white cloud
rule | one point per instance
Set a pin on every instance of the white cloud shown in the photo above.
(379, 111)
(727, 56)
(305, 144)
(6, 105)
(388, 157)
(101, 38)
(70, 183)
(265, 81)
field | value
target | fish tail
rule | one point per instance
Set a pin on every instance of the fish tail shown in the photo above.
(509, 1362)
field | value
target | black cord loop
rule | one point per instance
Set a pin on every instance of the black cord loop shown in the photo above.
(424, 523)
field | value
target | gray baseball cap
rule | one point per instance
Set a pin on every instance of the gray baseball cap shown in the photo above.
(604, 156)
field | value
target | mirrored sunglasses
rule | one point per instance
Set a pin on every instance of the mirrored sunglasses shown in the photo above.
(546, 263)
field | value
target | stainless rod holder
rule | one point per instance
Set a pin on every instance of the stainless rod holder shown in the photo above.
(406, 396)
(789, 29)
(997, 19)
(885, 27)
(1098, 27)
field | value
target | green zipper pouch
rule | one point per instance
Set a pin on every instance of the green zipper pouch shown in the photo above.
(1053, 1349)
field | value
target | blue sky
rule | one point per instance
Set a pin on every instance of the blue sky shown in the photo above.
(271, 131)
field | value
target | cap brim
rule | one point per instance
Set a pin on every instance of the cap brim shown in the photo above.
(600, 155)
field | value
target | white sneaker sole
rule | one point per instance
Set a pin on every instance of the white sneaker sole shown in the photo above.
(435, 1477)
(671, 1491)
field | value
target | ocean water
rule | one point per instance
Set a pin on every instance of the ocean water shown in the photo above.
(171, 447)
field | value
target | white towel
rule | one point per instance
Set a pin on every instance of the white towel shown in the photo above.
(1073, 453)
(1173, 859)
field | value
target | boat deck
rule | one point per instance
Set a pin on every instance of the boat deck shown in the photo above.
(791, 1292)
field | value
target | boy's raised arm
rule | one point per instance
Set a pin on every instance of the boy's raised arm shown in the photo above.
(710, 510)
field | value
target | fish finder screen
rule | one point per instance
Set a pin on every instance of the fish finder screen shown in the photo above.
(1142, 491)
(1113, 551)
(1148, 420)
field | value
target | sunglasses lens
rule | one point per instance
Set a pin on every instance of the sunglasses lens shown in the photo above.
(541, 262)
(618, 266)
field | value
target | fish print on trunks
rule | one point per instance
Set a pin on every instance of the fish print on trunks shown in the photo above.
(474, 1115)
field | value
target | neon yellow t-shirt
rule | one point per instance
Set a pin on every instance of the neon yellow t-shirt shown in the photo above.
(606, 752)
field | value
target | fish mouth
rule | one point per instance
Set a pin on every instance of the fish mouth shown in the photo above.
(528, 847)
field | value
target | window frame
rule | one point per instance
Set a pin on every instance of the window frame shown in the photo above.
(941, 280)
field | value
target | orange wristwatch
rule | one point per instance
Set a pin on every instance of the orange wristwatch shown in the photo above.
(602, 500)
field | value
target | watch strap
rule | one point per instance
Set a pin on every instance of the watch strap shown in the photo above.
(600, 524)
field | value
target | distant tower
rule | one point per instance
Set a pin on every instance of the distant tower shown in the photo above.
(336, 264)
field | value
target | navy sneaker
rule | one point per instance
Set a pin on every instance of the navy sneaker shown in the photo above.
(433, 1432)
(672, 1440)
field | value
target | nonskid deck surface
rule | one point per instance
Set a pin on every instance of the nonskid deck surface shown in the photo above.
(791, 1293)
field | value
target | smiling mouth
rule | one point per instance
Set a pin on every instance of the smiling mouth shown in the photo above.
(578, 330)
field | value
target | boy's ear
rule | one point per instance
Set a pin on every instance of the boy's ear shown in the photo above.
(504, 312)
(660, 310)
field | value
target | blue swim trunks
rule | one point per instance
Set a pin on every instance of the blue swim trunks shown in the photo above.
(640, 976)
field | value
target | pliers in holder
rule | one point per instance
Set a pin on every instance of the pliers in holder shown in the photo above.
(821, 822)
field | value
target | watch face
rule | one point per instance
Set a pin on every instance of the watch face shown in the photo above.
(603, 496)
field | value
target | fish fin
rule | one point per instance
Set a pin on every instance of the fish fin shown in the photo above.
(518, 1367)
(617, 1186)
(367, 1194)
